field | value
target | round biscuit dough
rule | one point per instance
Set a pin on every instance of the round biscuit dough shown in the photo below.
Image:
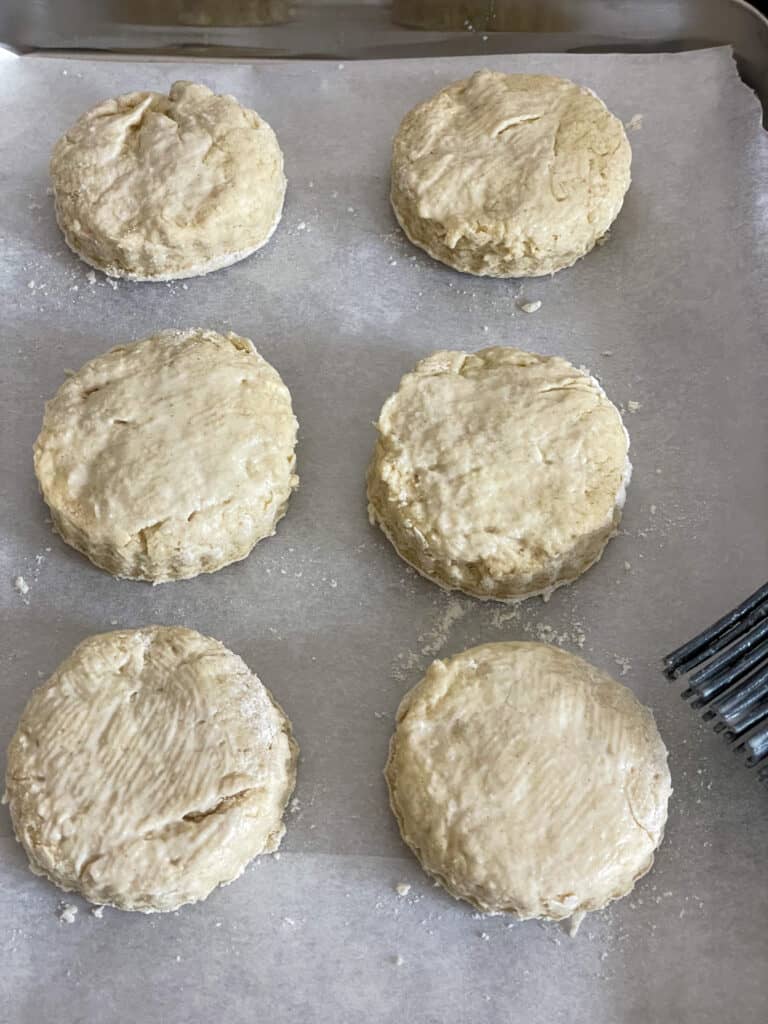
(150, 768)
(528, 782)
(155, 188)
(509, 175)
(170, 456)
(501, 474)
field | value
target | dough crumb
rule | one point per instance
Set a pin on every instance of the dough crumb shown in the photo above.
(67, 913)
(634, 406)
(97, 912)
(485, 936)
(628, 567)
(635, 123)
(653, 510)
(20, 585)
(301, 226)
(575, 923)
(398, 960)
(91, 277)
(625, 663)
(402, 888)
(531, 307)
(606, 353)
(276, 856)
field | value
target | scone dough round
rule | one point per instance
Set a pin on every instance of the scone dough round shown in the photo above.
(501, 474)
(509, 175)
(150, 768)
(170, 456)
(527, 781)
(154, 187)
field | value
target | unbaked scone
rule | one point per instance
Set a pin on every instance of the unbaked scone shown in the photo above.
(150, 768)
(154, 187)
(170, 456)
(501, 474)
(509, 175)
(527, 781)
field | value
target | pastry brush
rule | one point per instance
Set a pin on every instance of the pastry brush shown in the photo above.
(727, 670)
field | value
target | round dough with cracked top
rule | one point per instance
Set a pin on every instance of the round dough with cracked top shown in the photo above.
(155, 188)
(501, 474)
(509, 175)
(527, 781)
(150, 768)
(170, 456)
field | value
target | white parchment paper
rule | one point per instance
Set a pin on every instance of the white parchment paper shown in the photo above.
(670, 314)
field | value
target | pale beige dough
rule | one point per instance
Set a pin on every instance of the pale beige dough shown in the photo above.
(527, 781)
(509, 175)
(154, 187)
(150, 768)
(170, 456)
(501, 474)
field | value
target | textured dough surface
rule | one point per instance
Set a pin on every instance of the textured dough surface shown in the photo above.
(170, 456)
(154, 187)
(501, 474)
(509, 175)
(150, 768)
(527, 781)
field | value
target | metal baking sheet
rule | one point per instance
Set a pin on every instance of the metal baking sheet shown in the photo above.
(670, 314)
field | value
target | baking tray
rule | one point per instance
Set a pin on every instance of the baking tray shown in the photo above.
(366, 30)
(338, 626)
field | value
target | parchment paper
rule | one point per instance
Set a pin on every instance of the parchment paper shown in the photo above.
(331, 619)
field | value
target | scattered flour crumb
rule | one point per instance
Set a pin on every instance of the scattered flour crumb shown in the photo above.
(276, 856)
(628, 567)
(340, 67)
(438, 635)
(485, 936)
(485, 328)
(635, 123)
(402, 888)
(97, 912)
(91, 277)
(653, 510)
(398, 960)
(607, 352)
(21, 586)
(289, 921)
(67, 913)
(634, 406)
(531, 307)
(625, 663)
(301, 226)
